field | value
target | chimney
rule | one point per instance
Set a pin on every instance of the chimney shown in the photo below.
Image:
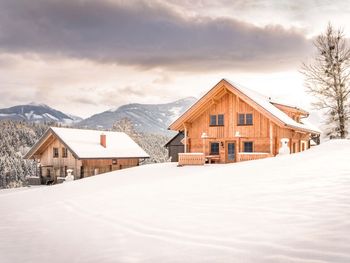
(103, 140)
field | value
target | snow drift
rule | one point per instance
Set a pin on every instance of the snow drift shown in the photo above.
(291, 208)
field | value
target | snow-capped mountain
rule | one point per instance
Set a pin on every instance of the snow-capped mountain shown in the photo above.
(147, 118)
(38, 113)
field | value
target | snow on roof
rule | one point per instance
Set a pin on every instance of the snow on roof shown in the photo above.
(284, 103)
(86, 143)
(265, 103)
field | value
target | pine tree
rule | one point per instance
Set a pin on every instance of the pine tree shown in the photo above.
(327, 78)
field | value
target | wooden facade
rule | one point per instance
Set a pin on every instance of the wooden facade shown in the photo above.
(262, 133)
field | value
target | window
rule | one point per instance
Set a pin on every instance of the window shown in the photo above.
(55, 152)
(249, 119)
(241, 119)
(221, 120)
(64, 152)
(217, 120)
(212, 120)
(248, 147)
(214, 148)
(245, 119)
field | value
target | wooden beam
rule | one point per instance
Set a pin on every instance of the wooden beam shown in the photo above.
(271, 136)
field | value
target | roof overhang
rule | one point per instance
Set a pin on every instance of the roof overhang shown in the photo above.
(41, 144)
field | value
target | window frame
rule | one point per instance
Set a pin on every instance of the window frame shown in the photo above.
(244, 146)
(216, 117)
(243, 117)
(223, 120)
(211, 118)
(239, 119)
(55, 152)
(246, 119)
(211, 148)
(64, 152)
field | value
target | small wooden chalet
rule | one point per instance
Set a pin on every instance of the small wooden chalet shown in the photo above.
(232, 123)
(86, 152)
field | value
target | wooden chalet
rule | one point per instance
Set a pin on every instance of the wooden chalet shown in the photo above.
(232, 123)
(85, 152)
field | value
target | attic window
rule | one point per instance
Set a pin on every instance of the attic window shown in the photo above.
(249, 119)
(245, 119)
(212, 120)
(64, 152)
(221, 120)
(217, 120)
(55, 153)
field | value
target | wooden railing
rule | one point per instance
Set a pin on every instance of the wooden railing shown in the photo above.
(252, 156)
(191, 159)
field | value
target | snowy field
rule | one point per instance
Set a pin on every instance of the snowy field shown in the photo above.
(289, 209)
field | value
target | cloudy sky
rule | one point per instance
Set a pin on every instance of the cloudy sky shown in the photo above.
(86, 56)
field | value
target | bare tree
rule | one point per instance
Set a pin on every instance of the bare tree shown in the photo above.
(327, 78)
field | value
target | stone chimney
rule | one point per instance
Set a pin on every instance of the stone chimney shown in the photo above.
(103, 140)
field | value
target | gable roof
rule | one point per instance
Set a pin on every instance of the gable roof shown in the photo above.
(262, 103)
(85, 144)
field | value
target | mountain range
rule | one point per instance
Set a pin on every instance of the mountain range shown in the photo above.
(39, 113)
(147, 118)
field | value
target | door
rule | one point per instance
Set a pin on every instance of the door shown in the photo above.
(231, 152)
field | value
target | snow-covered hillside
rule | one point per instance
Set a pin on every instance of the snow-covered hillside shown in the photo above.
(292, 208)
